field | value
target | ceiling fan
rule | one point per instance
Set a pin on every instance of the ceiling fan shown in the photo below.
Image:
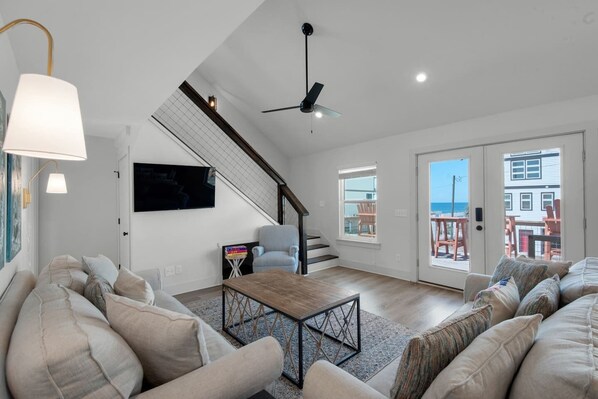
(308, 104)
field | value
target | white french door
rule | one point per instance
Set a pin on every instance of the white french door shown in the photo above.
(477, 204)
(450, 189)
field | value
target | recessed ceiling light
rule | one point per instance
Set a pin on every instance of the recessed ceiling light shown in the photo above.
(318, 114)
(421, 77)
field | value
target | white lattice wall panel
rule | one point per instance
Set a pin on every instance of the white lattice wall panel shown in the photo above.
(190, 125)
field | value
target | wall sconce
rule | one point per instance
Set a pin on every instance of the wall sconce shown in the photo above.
(45, 121)
(213, 102)
(56, 183)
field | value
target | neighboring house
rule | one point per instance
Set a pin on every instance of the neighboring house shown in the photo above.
(532, 181)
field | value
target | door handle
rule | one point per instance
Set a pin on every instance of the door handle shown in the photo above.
(125, 233)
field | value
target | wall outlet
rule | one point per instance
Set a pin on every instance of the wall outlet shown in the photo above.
(169, 271)
(178, 269)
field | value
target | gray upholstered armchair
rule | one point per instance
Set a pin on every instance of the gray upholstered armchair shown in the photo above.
(278, 249)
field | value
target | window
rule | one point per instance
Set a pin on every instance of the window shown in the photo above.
(508, 202)
(358, 198)
(526, 202)
(526, 169)
(547, 199)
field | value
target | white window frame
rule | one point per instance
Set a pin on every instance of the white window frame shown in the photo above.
(520, 169)
(551, 195)
(531, 201)
(362, 171)
(510, 207)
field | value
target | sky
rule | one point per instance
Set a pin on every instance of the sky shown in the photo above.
(441, 180)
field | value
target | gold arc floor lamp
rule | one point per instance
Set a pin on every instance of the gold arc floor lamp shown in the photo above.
(56, 183)
(45, 120)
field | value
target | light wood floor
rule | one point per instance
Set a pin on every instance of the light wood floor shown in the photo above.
(414, 305)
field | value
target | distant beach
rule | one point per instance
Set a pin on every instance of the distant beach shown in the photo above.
(444, 208)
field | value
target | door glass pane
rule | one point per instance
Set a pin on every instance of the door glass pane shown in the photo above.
(449, 214)
(532, 182)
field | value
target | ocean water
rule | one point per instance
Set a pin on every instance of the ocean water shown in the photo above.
(444, 208)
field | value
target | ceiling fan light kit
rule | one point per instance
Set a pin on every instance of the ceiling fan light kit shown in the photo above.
(308, 105)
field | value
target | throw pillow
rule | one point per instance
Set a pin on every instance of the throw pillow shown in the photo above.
(554, 267)
(526, 275)
(95, 289)
(64, 270)
(427, 354)
(486, 368)
(168, 344)
(133, 287)
(503, 297)
(101, 266)
(581, 280)
(62, 347)
(543, 299)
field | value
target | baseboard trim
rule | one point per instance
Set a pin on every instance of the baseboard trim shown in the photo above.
(384, 271)
(194, 285)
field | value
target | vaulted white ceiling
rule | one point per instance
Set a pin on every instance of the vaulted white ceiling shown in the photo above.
(482, 58)
(125, 57)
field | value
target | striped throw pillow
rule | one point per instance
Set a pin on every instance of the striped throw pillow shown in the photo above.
(427, 354)
(526, 275)
(543, 299)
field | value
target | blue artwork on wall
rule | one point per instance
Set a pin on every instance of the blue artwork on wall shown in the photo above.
(13, 209)
(2, 182)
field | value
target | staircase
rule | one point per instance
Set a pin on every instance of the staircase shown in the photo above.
(319, 254)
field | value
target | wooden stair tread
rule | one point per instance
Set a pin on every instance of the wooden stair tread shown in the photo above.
(317, 246)
(321, 259)
(310, 237)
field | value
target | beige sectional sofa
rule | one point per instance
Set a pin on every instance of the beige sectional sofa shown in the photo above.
(562, 363)
(79, 361)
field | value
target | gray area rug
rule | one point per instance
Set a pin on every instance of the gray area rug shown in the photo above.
(382, 341)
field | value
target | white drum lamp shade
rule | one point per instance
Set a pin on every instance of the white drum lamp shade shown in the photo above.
(45, 121)
(56, 184)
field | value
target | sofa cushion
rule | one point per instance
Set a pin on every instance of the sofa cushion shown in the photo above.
(581, 280)
(486, 367)
(95, 289)
(64, 270)
(428, 353)
(554, 267)
(543, 299)
(526, 275)
(562, 362)
(101, 266)
(133, 287)
(168, 344)
(63, 347)
(502, 296)
(217, 346)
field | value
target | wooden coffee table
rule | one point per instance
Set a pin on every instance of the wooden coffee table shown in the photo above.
(308, 317)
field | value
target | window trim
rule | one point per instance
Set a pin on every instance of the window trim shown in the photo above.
(359, 170)
(552, 193)
(531, 201)
(525, 169)
(510, 208)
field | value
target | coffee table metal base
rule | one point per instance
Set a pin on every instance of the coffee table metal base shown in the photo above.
(333, 334)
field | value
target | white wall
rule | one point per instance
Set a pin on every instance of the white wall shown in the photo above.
(27, 257)
(315, 177)
(242, 125)
(188, 238)
(83, 221)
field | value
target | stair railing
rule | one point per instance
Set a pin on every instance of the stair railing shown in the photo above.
(297, 212)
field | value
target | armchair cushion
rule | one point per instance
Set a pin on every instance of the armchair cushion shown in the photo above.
(278, 238)
(294, 251)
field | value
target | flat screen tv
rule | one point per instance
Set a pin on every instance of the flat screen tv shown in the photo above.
(158, 187)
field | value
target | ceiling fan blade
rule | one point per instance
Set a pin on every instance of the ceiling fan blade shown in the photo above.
(279, 109)
(326, 111)
(313, 94)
